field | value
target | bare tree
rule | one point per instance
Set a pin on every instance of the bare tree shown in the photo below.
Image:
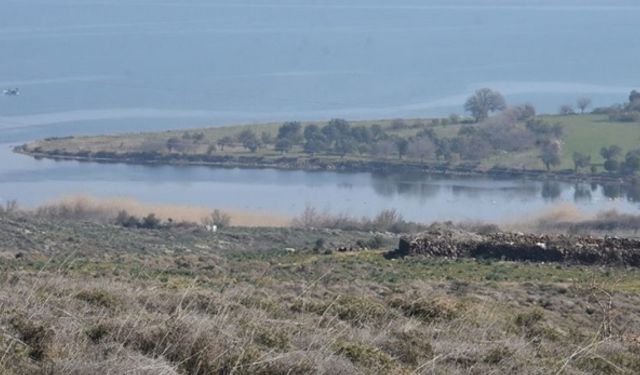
(9, 207)
(566, 110)
(483, 102)
(384, 149)
(421, 148)
(217, 218)
(583, 104)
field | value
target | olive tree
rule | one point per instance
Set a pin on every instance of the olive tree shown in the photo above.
(611, 153)
(550, 153)
(581, 160)
(225, 141)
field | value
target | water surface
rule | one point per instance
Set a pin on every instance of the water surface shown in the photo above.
(417, 197)
(112, 66)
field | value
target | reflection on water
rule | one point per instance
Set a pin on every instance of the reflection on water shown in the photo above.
(551, 190)
(423, 187)
(582, 192)
(418, 197)
(630, 191)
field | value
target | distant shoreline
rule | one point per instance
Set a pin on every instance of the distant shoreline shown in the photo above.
(321, 164)
(224, 147)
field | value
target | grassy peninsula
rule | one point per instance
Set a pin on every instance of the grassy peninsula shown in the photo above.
(446, 145)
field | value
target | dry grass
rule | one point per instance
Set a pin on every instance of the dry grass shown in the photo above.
(85, 297)
(388, 220)
(215, 311)
(88, 207)
(68, 322)
(568, 219)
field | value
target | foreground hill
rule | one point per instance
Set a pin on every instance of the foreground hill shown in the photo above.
(81, 297)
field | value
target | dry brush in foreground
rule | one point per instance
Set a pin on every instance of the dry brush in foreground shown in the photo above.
(207, 308)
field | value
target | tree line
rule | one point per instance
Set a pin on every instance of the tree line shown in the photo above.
(625, 112)
(494, 128)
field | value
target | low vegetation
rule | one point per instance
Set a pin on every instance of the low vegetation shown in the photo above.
(84, 296)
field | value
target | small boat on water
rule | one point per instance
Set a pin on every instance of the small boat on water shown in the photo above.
(11, 92)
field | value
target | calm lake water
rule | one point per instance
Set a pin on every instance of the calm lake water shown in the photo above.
(89, 67)
(420, 198)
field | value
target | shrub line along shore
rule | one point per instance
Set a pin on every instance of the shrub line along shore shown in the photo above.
(319, 163)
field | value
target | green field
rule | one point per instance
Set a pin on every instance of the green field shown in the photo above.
(589, 133)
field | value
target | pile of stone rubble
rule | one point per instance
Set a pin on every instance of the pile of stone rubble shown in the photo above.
(455, 243)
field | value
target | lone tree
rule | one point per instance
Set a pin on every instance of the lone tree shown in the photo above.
(225, 141)
(567, 110)
(611, 153)
(249, 140)
(483, 102)
(583, 104)
(173, 143)
(291, 131)
(402, 146)
(581, 160)
(634, 97)
(632, 162)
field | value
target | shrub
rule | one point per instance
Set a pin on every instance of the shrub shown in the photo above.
(376, 242)
(34, 334)
(218, 218)
(530, 321)
(150, 222)
(98, 332)
(273, 338)
(319, 244)
(497, 355)
(427, 310)
(9, 207)
(357, 310)
(409, 346)
(126, 220)
(98, 297)
(611, 165)
(366, 356)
